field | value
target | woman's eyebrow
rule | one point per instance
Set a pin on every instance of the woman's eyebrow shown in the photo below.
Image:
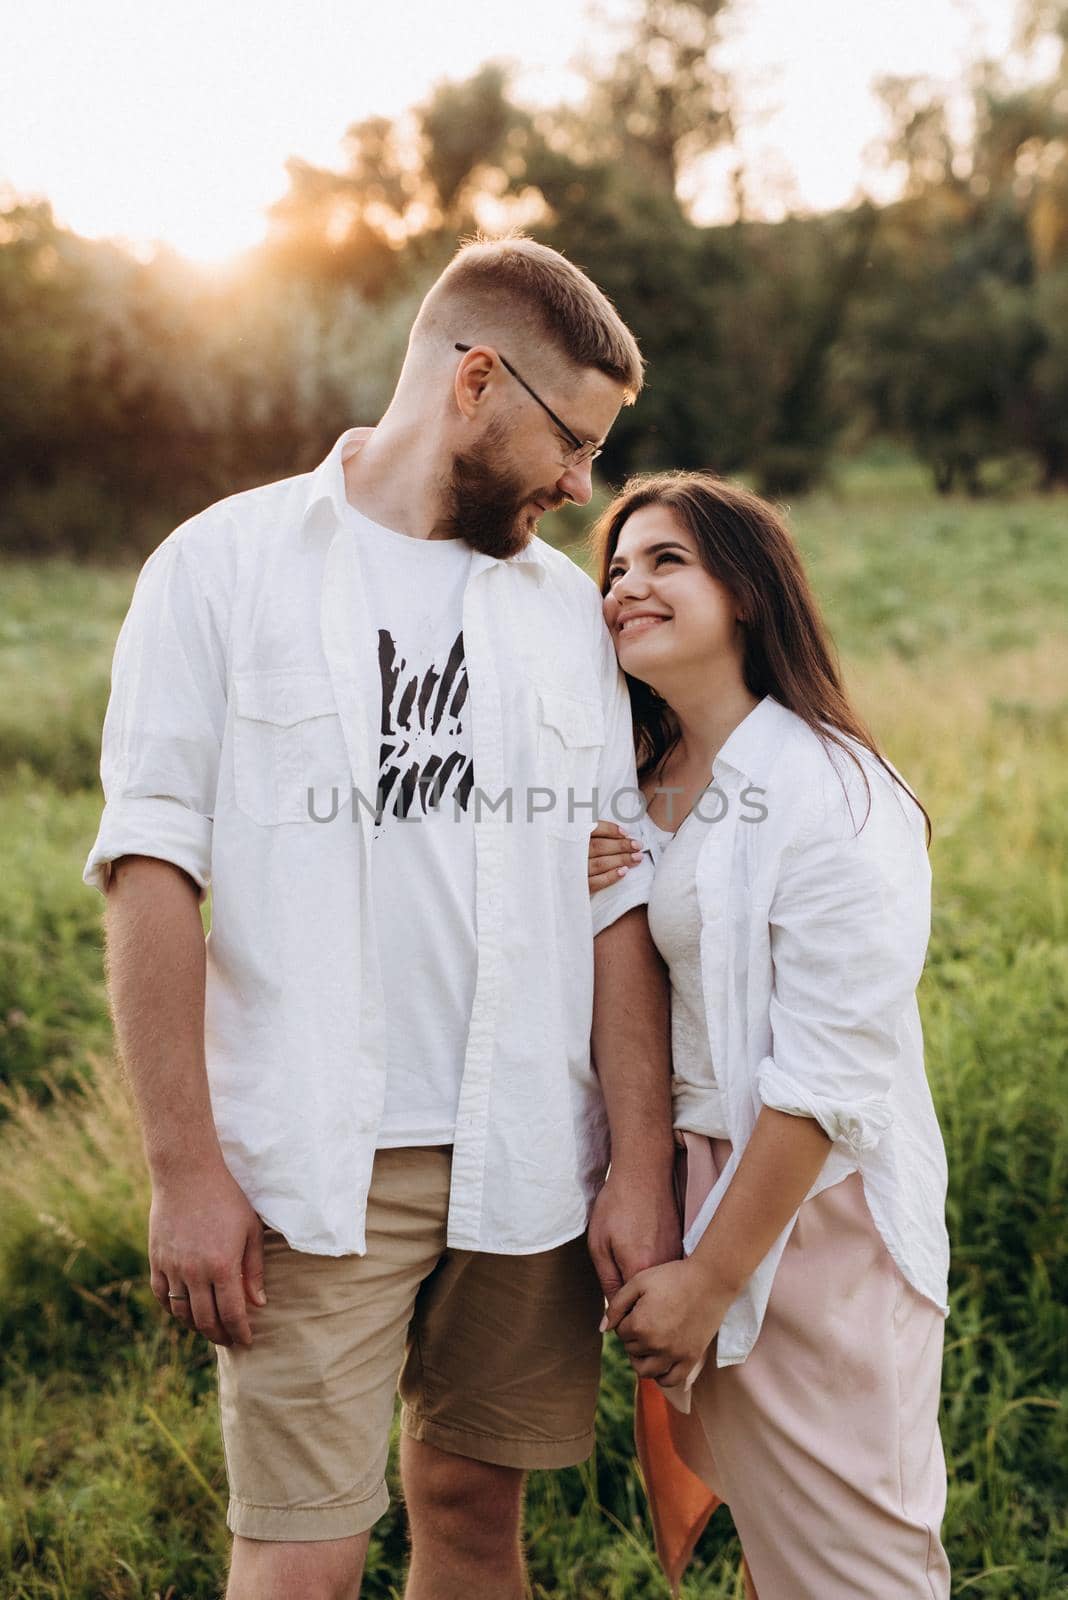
(655, 549)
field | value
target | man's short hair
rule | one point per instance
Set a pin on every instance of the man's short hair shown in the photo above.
(515, 282)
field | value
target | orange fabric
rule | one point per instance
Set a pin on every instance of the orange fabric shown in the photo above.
(680, 1502)
(676, 1463)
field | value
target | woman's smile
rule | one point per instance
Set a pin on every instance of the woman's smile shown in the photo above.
(640, 622)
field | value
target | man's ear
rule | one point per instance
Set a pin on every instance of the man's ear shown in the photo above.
(473, 376)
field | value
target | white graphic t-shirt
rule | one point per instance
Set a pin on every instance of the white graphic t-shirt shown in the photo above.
(424, 864)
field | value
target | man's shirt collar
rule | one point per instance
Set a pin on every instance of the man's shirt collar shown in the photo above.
(326, 499)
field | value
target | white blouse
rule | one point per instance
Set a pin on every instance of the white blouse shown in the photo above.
(675, 926)
(814, 904)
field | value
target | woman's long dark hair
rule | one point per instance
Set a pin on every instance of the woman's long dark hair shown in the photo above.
(788, 652)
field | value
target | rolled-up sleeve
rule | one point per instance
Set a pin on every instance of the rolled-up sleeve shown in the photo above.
(849, 926)
(164, 724)
(619, 798)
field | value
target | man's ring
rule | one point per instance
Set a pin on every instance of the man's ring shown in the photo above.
(177, 1297)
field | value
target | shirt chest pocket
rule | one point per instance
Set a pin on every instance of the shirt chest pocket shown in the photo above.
(289, 750)
(570, 740)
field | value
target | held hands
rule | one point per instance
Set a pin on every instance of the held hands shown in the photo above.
(205, 1247)
(667, 1317)
(634, 1224)
(612, 852)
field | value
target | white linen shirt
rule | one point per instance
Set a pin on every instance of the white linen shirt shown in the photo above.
(235, 690)
(814, 931)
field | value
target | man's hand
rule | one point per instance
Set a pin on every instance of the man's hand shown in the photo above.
(667, 1317)
(634, 1224)
(206, 1242)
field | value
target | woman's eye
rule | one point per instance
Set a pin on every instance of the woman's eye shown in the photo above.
(665, 555)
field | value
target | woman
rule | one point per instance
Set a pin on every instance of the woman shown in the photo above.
(792, 908)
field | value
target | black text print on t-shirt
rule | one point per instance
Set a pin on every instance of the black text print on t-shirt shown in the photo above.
(421, 762)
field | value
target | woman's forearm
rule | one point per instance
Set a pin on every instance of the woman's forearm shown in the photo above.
(780, 1164)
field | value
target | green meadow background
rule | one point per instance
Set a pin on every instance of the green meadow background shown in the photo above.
(950, 614)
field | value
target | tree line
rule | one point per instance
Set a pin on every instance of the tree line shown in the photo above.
(132, 391)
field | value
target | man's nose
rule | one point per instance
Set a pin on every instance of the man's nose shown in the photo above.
(577, 483)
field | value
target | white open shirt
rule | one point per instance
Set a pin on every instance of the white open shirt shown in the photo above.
(814, 931)
(235, 688)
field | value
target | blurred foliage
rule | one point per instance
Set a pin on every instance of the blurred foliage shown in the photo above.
(940, 320)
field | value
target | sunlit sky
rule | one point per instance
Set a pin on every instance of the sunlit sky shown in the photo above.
(172, 119)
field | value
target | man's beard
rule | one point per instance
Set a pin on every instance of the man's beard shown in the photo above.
(484, 499)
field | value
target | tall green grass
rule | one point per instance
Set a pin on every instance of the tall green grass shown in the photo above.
(52, 1005)
(951, 618)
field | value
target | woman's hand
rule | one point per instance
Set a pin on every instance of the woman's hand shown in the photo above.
(612, 851)
(667, 1317)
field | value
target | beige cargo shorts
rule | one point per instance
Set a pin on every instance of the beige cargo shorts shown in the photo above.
(495, 1357)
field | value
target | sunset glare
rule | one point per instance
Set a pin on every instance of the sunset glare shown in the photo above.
(173, 122)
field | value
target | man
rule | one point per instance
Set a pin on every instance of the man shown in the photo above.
(370, 707)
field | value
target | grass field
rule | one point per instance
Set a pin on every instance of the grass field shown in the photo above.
(951, 616)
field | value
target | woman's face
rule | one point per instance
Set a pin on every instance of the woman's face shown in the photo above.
(665, 612)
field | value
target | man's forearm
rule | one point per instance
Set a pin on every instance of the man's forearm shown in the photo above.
(631, 1044)
(156, 966)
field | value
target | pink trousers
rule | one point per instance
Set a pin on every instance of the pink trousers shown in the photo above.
(824, 1443)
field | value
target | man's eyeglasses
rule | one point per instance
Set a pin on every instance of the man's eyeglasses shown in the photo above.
(581, 451)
